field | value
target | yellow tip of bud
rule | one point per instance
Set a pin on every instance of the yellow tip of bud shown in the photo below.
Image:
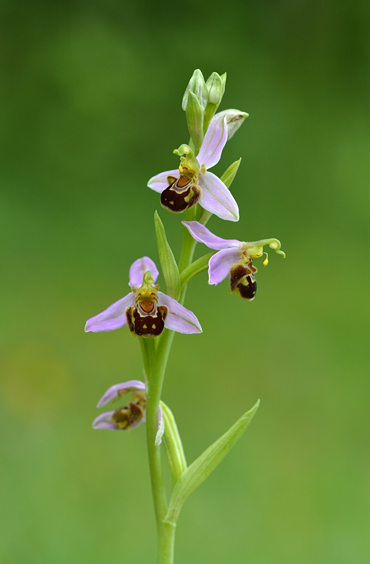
(265, 262)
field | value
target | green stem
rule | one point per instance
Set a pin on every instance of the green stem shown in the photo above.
(165, 534)
(148, 347)
(188, 243)
(195, 268)
(166, 543)
(157, 367)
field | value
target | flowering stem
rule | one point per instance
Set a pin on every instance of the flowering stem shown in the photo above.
(155, 362)
(188, 243)
(148, 347)
(166, 543)
(165, 533)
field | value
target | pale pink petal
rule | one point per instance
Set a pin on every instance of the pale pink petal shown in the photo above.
(159, 182)
(213, 143)
(139, 268)
(104, 421)
(203, 235)
(220, 264)
(179, 318)
(217, 198)
(113, 391)
(112, 318)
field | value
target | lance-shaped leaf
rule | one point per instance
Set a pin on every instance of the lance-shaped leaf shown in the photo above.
(168, 262)
(230, 173)
(173, 444)
(201, 468)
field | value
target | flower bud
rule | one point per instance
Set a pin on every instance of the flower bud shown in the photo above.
(216, 88)
(198, 87)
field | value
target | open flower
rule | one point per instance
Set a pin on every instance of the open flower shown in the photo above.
(131, 415)
(145, 310)
(234, 258)
(182, 188)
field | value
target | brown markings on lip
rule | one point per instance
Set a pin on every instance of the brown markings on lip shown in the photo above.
(242, 281)
(181, 195)
(248, 288)
(238, 271)
(146, 325)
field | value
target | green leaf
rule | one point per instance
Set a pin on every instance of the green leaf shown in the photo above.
(169, 266)
(230, 173)
(201, 468)
(173, 444)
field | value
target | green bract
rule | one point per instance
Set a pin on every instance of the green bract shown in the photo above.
(195, 119)
(168, 262)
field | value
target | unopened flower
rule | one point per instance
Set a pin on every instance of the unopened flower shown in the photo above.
(234, 259)
(145, 310)
(131, 415)
(182, 188)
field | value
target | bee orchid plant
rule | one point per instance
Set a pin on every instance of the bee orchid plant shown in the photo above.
(154, 317)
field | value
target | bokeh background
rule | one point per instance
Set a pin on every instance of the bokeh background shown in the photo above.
(91, 108)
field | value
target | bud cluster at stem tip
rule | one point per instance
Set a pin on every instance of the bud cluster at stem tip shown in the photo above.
(200, 102)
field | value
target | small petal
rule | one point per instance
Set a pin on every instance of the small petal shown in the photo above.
(179, 318)
(159, 182)
(217, 198)
(159, 435)
(203, 235)
(113, 391)
(213, 143)
(112, 318)
(220, 264)
(234, 119)
(104, 421)
(139, 268)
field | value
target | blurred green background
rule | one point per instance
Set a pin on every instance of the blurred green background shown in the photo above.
(91, 108)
